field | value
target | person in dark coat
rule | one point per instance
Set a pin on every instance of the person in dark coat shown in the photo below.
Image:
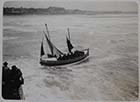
(11, 82)
(5, 72)
(5, 81)
(16, 81)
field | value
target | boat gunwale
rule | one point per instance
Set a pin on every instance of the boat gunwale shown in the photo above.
(63, 62)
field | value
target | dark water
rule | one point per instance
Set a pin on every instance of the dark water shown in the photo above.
(110, 73)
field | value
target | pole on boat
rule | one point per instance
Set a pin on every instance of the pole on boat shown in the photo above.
(49, 43)
(47, 31)
(68, 33)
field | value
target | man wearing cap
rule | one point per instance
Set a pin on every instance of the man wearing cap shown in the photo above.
(5, 81)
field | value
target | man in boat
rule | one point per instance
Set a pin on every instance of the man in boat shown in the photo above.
(16, 81)
(60, 57)
(79, 53)
(72, 51)
(5, 81)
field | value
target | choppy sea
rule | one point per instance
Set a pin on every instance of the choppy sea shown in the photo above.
(110, 73)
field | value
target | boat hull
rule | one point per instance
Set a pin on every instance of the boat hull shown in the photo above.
(64, 62)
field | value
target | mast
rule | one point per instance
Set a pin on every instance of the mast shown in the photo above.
(47, 31)
(49, 43)
(53, 48)
(68, 33)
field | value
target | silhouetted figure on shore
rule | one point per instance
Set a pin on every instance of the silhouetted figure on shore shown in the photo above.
(16, 81)
(5, 81)
(11, 82)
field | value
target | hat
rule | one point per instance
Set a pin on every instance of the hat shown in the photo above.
(14, 67)
(5, 63)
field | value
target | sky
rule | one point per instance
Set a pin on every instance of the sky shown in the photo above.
(83, 5)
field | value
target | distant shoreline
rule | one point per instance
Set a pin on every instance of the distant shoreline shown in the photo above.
(55, 11)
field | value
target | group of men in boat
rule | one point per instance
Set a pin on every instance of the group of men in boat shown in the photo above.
(71, 55)
(11, 81)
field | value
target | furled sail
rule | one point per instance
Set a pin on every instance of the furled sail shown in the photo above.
(69, 45)
(54, 51)
(42, 49)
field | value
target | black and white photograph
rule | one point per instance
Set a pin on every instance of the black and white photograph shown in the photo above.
(59, 51)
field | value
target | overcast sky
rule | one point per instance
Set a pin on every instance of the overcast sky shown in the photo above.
(83, 5)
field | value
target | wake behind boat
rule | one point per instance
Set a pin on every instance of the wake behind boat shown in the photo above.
(56, 57)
